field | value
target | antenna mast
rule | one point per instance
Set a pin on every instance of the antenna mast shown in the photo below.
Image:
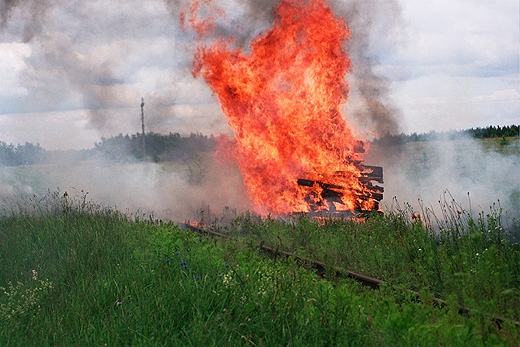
(142, 126)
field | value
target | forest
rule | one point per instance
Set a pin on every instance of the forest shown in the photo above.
(489, 132)
(176, 147)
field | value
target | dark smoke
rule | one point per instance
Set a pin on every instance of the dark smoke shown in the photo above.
(32, 15)
(243, 22)
(259, 16)
(370, 21)
(57, 64)
(163, 101)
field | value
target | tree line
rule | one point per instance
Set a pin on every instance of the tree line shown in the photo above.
(175, 147)
(158, 148)
(503, 132)
(11, 155)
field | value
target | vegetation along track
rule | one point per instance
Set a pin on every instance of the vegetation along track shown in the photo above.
(321, 269)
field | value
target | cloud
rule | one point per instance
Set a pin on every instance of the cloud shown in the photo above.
(464, 38)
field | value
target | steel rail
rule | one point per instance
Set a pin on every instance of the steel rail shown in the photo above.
(321, 269)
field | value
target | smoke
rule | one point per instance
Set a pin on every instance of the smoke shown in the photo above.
(71, 77)
(80, 57)
(56, 63)
(410, 173)
(176, 191)
(100, 58)
(372, 24)
(467, 171)
(30, 15)
(255, 17)
(67, 38)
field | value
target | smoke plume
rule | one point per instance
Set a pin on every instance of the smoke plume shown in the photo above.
(465, 171)
(371, 23)
(30, 15)
(72, 64)
(133, 188)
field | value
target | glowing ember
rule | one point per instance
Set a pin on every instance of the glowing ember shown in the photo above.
(284, 101)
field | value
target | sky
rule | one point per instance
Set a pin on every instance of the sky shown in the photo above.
(74, 71)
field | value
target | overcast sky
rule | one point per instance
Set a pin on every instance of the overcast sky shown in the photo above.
(73, 71)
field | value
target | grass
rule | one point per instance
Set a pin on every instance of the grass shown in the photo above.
(473, 262)
(74, 273)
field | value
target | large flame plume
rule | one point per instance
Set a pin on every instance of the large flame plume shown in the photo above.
(284, 100)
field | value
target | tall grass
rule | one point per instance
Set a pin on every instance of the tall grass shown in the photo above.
(469, 261)
(74, 273)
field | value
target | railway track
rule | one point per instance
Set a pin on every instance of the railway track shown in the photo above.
(321, 268)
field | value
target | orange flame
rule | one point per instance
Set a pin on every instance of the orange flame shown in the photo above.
(284, 102)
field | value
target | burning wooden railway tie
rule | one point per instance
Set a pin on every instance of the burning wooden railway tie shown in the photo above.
(331, 194)
(322, 268)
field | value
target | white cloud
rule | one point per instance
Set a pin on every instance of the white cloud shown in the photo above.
(461, 37)
(52, 130)
(459, 67)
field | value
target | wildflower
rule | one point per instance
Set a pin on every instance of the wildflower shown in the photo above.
(168, 260)
(200, 239)
(197, 278)
(414, 217)
(119, 303)
(34, 275)
(227, 265)
(459, 212)
(184, 265)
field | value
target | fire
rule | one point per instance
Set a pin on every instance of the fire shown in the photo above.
(284, 100)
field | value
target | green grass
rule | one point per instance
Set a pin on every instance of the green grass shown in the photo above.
(74, 273)
(473, 262)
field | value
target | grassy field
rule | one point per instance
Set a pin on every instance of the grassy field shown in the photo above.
(74, 273)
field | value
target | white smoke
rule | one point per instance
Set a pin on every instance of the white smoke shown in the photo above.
(476, 176)
(167, 191)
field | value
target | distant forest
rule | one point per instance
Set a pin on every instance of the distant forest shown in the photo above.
(158, 148)
(489, 132)
(177, 147)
